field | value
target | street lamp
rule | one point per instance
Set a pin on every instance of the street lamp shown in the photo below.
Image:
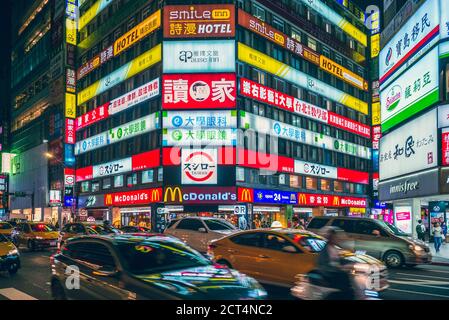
(51, 156)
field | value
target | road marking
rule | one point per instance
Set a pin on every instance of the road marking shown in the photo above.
(425, 276)
(14, 294)
(418, 293)
(411, 282)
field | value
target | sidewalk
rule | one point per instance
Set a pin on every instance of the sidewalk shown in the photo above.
(442, 257)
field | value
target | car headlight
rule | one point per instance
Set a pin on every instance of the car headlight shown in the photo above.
(13, 252)
(39, 238)
(415, 247)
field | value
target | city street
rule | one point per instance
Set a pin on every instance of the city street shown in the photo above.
(419, 283)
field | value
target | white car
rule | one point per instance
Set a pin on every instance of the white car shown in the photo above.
(197, 232)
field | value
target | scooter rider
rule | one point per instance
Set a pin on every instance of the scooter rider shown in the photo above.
(330, 267)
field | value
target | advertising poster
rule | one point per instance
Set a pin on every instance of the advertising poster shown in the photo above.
(199, 21)
(403, 218)
(199, 91)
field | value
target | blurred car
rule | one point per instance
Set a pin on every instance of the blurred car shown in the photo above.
(134, 229)
(376, 238)
(197, 232)
(9, 256)
(146, 266)
(35, 235)
(6, 229)
(277, 256)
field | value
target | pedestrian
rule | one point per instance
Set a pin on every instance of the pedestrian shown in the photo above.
(444, 228)
(421, 230)
(437, 236)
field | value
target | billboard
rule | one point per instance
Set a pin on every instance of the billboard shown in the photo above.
(281, 130)
(410, 148)
(145, 196)
(92, 12)
(415, 90)
(199, 91)
(264, 62)
(445, 147)
(314, 169)
(199, 21)
(102, 57)
(200, 195)
(120, 133)
(70, 131)
(199, 166)
(198, 137)
(199, 56)
(411, 42)
(126, 71)
(199, 119)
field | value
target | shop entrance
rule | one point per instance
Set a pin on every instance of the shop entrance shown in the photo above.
(139, 217)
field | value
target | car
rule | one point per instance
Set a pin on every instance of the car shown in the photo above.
(378, 239)
(197, 232)
(35, 235)
(71, 230)
(143, 266)
(134, 229)
(6, 229)
(276, 256)
(9, 256)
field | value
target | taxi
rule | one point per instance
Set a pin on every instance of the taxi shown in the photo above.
(6, 229)
(274, 256)
(35, 235)
(9, 256)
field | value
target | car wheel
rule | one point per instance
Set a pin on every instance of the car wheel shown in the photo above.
(225, 263)
(57, 290)
(13, 268)
(31, 245)
(393, 259)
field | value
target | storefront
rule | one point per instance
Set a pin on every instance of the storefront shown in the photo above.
(135, 216)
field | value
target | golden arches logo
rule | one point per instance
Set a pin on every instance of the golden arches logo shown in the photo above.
(336, 201)
(245, 195)
(302, 198)
(108, 200)
(155, 195)
(173, 192)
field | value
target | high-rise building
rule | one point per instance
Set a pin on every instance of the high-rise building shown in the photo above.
(414, 92)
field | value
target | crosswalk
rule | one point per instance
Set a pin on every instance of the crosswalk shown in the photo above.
(14, 294)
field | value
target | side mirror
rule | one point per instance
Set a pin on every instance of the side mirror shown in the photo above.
(289, 249)
(202, 230)
(376, 233)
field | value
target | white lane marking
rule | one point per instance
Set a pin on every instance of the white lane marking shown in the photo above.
(420, 283)
(424, 276)
(419, 293)
(14, 294)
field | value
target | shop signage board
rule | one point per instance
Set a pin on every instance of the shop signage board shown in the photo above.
(198, 137)
(55, 197)
(443, 116)
(200, 195)
(113, 167)
(128, 70)
(275, 197)
(92, 201)
(126, 101)
(410, 148)
(413, 91)
(101, 58)
(445, 147)
(120, 133)
(69, 177)
(283, 101)
(325, 200)
(199, 21)
(199, 166)
(199, 91)
(292, 133)
(264, 62)
(199, 119)
(135, 197)
(416, 185)
(70, 131)
(403, 218)
(92, 12)
(314, 169)
(199, 56)
(411, 42)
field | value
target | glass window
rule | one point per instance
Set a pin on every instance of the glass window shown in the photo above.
(213, 224)
(85, 186)
(345, 225)
(190, 224)
(107, 183)
(95, 186)
(160, 174)
(248, 239)
(311, 183)
(274, 242)
(118, 181)
(240, 174)
(295, 181)
(258, 12)
(325, 185)
(338, 186)
(365, 227)
(317, 223)
(148, 176)
(95, 255)
(131, 180)
(296, 34)
(311, 43)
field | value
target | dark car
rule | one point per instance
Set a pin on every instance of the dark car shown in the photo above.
(155, 266)
(134, 229)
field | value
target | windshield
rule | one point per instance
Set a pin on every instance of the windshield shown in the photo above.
(156, 256)
(41, 228)
(310, 243)
(5, 226)
(91, 230)
(218, 224)
(100, 229)
(392, 228)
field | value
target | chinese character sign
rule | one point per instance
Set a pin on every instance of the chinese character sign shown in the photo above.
(200, 119)
(199, 91)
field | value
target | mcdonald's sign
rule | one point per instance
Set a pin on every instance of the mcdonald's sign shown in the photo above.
(172, 194)
(316, 200)
(336, 201)
(144, 196)
(302, 198)
(245, 195)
